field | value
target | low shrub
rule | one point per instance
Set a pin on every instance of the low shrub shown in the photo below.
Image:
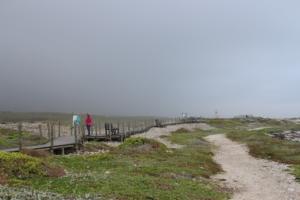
(138, 141)
(139, 146)
(181, 130)
(20, 165)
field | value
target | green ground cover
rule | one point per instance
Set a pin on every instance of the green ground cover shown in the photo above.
(138, 169)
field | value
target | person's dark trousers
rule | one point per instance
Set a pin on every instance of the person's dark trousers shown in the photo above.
(88, 127)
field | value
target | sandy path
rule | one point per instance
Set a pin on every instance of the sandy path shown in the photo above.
(251, 178)
(156, 133)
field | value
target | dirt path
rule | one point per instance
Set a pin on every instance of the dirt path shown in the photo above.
(251, 178)
(156, 133)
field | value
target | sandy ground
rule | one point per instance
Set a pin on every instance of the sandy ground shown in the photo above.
(251, 178)
(156, 133)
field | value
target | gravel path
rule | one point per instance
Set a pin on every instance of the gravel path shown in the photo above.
(251, 178)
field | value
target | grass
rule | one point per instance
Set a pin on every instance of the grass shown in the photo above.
(10, 139)
(190, 138)
(139, 169)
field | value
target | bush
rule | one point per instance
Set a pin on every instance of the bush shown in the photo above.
(141, 144)
(20, 165)
(181, 130)
(133, 142)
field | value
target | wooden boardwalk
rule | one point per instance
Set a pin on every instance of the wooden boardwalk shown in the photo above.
(64, 142)
(58, 143)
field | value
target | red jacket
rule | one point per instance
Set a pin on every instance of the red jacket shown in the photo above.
(88, 121)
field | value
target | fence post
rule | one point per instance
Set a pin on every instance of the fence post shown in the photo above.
(52, 138)
(59, 128)
(96, 128)
(128, 127)
(75, 136)
(20, 136)
(71, 129)
(110, 131)
(123, 129)
(48, 128)
(82, 133)
(99, 128)
(78, 131)
(40, 130)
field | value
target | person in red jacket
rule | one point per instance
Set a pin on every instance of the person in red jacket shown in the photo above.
(88, 123)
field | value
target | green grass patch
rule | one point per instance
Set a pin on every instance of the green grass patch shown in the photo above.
(264, 146)
(296, 172)
(140, 169)
(226, 123)
(191, 138)
(248, 123)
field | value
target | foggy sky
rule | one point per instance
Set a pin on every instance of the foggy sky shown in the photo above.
(155, 57)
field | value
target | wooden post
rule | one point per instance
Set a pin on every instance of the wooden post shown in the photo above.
(59, 128)
(96, 128)
(123, 129)
(48, 128)
(129, 127)
(53, 135)
(78, 131)
(40, 130)
(52, 138)
(99, 128)
(133, 125)
(110, 131)
(20, 136)
(76, 140)
(71, 129)
(83, 132)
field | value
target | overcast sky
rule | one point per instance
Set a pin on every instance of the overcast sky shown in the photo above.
(155, 57)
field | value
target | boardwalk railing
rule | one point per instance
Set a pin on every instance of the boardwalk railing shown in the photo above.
(60, 139)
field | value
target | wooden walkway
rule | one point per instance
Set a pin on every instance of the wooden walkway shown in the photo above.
(58, 143)
(63, 142)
